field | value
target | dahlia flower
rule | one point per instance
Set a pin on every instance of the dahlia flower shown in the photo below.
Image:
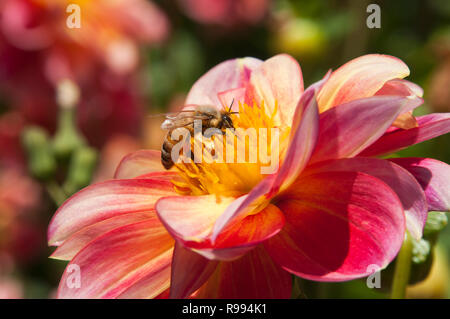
(330, 212)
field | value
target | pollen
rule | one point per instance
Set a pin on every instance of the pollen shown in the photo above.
(233, 163)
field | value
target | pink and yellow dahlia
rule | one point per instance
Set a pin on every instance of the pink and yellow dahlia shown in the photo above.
(224, 230)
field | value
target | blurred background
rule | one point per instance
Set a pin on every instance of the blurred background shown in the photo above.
(74, 101)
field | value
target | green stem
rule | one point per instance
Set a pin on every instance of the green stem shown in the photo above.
(56, 193)
(402, 269)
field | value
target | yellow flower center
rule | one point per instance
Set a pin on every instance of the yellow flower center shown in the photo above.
(239, 166)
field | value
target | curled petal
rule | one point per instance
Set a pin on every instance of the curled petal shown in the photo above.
(115, 262)
(227, 75)
(338, 225)
(402, 88)
(433, 176)
(243, 235)
(245, 204)
(189, 272)
(191, 219)
(253, 276)
(430, 126)
(360, 78)
(347, 130)
(139, 163)
(400, 180)
(277, 81)
(105, 200)
(304, 133)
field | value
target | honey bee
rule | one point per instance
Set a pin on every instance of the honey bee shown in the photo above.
(209, 116)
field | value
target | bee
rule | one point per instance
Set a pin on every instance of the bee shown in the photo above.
(210, 117)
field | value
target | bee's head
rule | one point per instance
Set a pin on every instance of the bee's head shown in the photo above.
(226, 121)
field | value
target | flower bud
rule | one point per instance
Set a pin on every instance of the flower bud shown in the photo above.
(67, 139)
(81, 169)
(41, 163)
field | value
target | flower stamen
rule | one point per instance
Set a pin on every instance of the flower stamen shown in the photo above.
(224, 178)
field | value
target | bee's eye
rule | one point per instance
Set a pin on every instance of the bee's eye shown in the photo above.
(227, 122)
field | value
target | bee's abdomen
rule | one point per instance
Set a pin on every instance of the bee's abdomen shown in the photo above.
(166, 157)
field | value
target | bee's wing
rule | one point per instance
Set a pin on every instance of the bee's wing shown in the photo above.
(181, 119)
(171, 114)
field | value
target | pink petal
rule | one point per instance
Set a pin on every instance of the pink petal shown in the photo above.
(400, 180)
(254, 276)
(105, 200)
(400, 87)
(244, 204)
(303, 138)
(115, 262)
(70, 247)
(278, 80)
(347, 130)
(227, 75)
(243, 235)
(232, 98)
(160, 176)
(139, 163)
(189, 272)
(430, 126)
(337, 225)
(190, 219)
(433, 176)
(360, 78)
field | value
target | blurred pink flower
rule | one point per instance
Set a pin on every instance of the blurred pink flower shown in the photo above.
(112, 153)
(10, 288)
(110, 33)
(226, 12)
(11, 153)
(20, 234)
(38, 50)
